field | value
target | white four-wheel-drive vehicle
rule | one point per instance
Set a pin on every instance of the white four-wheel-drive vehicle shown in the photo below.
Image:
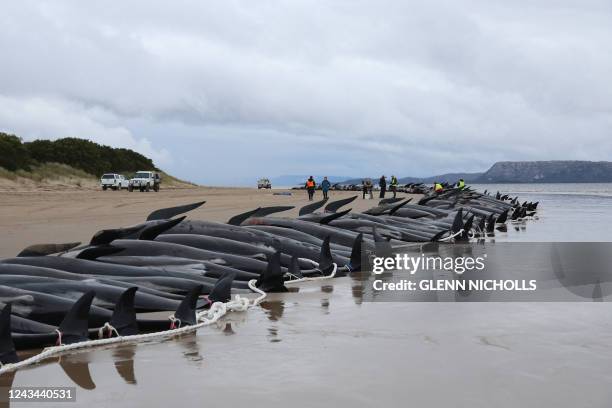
(263, 183)
(145, 181)
(113, 181)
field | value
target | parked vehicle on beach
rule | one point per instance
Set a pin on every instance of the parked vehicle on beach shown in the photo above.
(113, 181)
(263, 183)
(145, 181)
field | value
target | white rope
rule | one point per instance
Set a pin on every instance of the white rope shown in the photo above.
(316, 278)
(217, 311)
(109, 328)
(452, 236)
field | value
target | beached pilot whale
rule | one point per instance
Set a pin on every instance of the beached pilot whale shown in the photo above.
(75, 325)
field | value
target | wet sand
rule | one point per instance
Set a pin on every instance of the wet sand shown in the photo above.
(323, 346)
(69, 215)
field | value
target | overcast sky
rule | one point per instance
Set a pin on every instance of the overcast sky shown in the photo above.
(226, 92)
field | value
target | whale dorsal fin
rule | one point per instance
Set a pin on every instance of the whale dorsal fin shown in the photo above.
(124, 315)
(186, 311)
(7, 346)
(75, 324)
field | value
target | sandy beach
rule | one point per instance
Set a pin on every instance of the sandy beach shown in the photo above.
(323, 343)
(55, 215)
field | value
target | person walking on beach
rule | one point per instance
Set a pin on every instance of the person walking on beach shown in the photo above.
(310, 187)
(438, 187)
(461, 184)
(325, 185)
(383, 186)
(393, 185)
(367, 187)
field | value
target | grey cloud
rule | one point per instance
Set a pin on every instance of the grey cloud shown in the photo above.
(358, 87)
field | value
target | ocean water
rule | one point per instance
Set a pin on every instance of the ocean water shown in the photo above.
(568, 212)
(321, 345)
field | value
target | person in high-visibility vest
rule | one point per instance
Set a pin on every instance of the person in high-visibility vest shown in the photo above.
(461, 184)
(438, 187)
(311, 185)
(393, 185)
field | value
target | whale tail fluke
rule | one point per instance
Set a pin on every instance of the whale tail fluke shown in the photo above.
(240, 218)
(167, 213)
(107, 236)
(47, 249)
(336, 205)
(398, 206)
(310, 208)
(151, 232)
(329, 218)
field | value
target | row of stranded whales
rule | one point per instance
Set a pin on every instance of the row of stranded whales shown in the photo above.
(64, 293)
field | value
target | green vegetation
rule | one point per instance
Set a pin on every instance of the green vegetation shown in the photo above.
(71, 160)
(80, 154)
(46, 172)
(13, 153)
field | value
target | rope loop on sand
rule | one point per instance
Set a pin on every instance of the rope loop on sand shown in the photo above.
(205, 318)
(109, 328)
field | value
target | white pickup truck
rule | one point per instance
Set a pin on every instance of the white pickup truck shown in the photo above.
(263, 183)
(145, 181)
(113, 181)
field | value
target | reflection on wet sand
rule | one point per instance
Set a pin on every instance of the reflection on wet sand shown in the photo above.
(274, 309)
(273, 335)
(124, 362)
(189, 342)
(76, 368)
(327, 288)
(6, 382)
(357, 279)
(228, 330)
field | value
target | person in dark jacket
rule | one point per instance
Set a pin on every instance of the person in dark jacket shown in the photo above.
(311, 185)
(325, 185)
(383, 186)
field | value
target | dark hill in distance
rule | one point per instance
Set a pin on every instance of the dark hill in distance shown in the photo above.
(553, 171)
